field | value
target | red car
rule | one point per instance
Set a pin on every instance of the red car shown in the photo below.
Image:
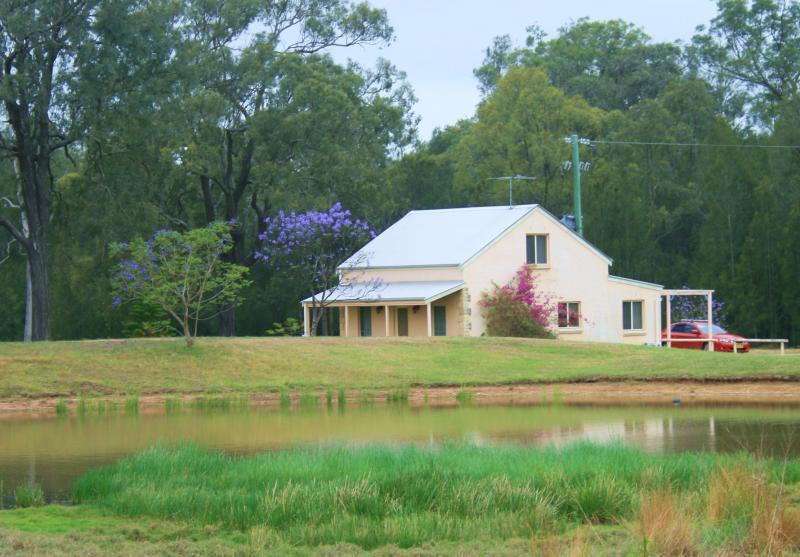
(723, 340)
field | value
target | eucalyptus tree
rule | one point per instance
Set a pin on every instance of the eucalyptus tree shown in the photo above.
(753, 45)
(267, 105)
(39, 45)
(520, 129)
(63, 61)
(612, 64)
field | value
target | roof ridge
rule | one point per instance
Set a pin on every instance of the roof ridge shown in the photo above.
(477, 208)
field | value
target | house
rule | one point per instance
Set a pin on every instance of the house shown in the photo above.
(425, 274)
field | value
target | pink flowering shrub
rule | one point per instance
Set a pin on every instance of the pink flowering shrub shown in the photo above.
(518, 309)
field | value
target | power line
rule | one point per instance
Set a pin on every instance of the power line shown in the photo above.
(669, 144)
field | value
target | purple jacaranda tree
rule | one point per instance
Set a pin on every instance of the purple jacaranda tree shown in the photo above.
(695, 308)
(182, 273)
(311, 246)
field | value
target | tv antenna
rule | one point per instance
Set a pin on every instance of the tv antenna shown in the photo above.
(511, 185)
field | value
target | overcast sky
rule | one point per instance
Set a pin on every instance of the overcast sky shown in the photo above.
(439, 42)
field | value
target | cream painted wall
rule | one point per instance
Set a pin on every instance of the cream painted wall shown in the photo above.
(573, 273)
(619, 292)
(406, 274)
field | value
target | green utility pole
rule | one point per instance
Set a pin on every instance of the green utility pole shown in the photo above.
(576, 183)
(577, 167)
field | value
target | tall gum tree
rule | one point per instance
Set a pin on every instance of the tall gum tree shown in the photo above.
(520, 129)
(243, 56)
(753, 46)
(63, 61)
(38, 43)
(612, 64)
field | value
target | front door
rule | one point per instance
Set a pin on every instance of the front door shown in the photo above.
(365, 321)
(439, 321)
(402, 322)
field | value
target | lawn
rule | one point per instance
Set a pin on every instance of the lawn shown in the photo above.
(249, 365)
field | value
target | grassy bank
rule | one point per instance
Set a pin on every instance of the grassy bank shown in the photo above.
(58, 531)
(409, 497)
(257, 365)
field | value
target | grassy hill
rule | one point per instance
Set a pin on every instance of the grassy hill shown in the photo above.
(242, 365)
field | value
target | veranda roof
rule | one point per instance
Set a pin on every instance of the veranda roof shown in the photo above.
(412, 292)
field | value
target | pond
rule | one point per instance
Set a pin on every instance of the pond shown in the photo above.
(54, 451)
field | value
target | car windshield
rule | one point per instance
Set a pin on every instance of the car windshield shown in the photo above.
(717, 329)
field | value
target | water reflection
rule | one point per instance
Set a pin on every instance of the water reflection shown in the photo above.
(55, 451)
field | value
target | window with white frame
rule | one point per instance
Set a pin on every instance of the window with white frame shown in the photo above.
(632, 315)
(536, 249)
(569, 315)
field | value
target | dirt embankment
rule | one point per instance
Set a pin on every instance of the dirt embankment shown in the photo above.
(599, 392)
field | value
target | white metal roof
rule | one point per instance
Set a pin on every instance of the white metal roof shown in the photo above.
(438, 237)
(634, 282)
(445, 237)
(419, 291)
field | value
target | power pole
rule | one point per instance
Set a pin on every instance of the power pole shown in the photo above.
(576, 183)
(577, 165)
(511, 185)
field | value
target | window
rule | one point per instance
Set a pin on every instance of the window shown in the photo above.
(439, 321)
(536, 247)
(632, 316)
(716, 328)
(569, 315)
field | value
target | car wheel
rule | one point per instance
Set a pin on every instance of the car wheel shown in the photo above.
(704, 347)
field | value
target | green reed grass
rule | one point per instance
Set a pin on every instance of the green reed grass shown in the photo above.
(132, 404)
(341, 399)
(216, 404)
(61, 408)
(408, 496)
(397, 396)
(173, 406)
(329, 399)
(285, 399)
(366, 399)
(29, 494)
(308, 401)
(464, 397)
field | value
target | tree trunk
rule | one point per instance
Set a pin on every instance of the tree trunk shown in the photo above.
(39, 294)
(316, 316)
(32, 175)
(27, 336)
(227, 315)
(227, 322)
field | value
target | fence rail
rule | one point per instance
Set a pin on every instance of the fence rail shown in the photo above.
(783, 341)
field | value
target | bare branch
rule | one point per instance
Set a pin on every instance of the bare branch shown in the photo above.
(8, 251)
(10, 204)
(15, 233)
